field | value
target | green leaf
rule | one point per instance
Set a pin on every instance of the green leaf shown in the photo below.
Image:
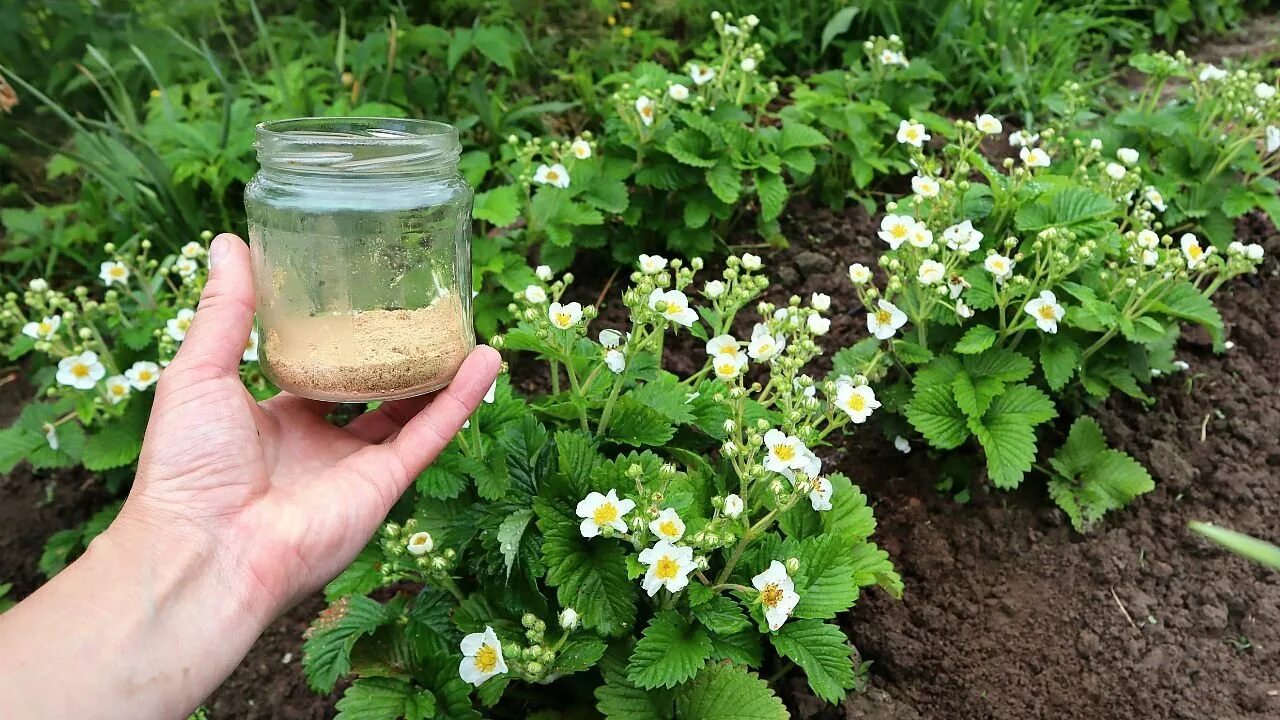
(977, 339)
(1010, 446)
(823, 652)
(725, 182)
(691, 147)
(999, 364)
(590, 576)
(798, 135)
(721, 615)
(667, 395)
(1184, 302)
(933, 412)
(577, 458)
(118, 443)
(498, 44)
(1072, 207)
(911, 353)
(838, 24)
(670, 652)
(57, 550)
(773, 194)
(384, 698)
(974, 394)
(826, 585)
(619, 699)
(634, 423)
(444, 478)
(510, 532)
(1142, 330)
(1059, 358)
(728, 692)
(580, 653)
(326, 654)
(1093, 479)
(500, 206)
(742, 647)
(360, 577)
(1024, 402)
(872, 566)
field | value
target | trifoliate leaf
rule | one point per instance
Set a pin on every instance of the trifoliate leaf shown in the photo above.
(117, 443)
(999, 364)
(384, 698)
(590, 576)
(691, 147)
(671, 651)
(1059, 358)
(667, 395)
(326, 654)
(822, 651)
(799, 135)
(728, 692)
(499, 206)
(976, 339)
(1025, 401)
(974, 393)
(360, 577)
(444, 478)
(933, 412)
(633, 423)
(1093, 479)
(721, 615)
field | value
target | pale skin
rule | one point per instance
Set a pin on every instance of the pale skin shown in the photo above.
(238, 510)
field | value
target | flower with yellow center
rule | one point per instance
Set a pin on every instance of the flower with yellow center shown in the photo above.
(673, 305)
(600, 511)
(988, 124)
(192, 250)
(554, 175)
(652, 264)
(667, 526)
(783, 451)
(963, 236)
(925, 186)
(728, 367)
(859, 274)
(896, 229)
(481, 657)
(701, 74)
(669, 567)
(820, 496)
(1154, 197)
(722, 345)
(858, 402)
(420, 543)
(1046, 311)
(43, 330)
(912, 133)
(765, 346)
(678, 92)
(1034, 157)
(777, 594)
(999, 266)
(113, 273)
(177, 327)
(884, 320)
(143, 374)
(117, 389)
(646, 109)
(81, 371)
(1192, 251)
(581, 149)
(565, 316)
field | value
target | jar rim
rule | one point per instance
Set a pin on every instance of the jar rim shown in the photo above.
(356, 144)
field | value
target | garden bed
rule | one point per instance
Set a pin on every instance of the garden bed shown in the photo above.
(1008, 612)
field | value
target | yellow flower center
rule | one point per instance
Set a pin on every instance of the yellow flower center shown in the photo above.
(118, 390)
(486, 659)
(884, 317)
(418, 541)
(80, 370)
(117, 271)
(605, 514)
(857, 403)
(45, 328)
(1046, 312)
(727, 368)
(771, 595)
(668, 527)
(563, 319)
(898, 231)
(912, 133)
(784, 452)
(1194, 252)
(144, 376)
(647, 111)
(552, 175)
(666, 568)
(998, 266)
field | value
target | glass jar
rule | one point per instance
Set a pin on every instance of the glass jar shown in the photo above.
(360, 230)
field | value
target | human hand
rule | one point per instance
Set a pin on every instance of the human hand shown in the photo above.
(284, 499)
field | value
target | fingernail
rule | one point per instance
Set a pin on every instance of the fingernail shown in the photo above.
(217, 251)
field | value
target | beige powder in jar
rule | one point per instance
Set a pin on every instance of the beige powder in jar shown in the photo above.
(371, 354)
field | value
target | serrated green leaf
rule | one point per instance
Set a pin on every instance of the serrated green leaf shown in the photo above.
(721, 615)
(1092, 478)
(580, 653)
(1027, 403)
(773, 194)
(510, 533)
(725, 182)
(827, 585)
(872, 566)
(326, 654)
(444, 478)
(360, 577)
(500, 206)
(799, 135)
(1184, 302)
(974, 394)
(117, 443)
(911, 353)
(1010, 446)
(822, 651)
(634, 423)
(975, 340)
(933, 412)
(590, 576)
(999, 364)
(742, 647)
(670, 652)
(691, 147)
(1059, 358)
(619, 699)
(667, 395)
(384, 698)
(1142, 330)
(577, 457)
(728, 692)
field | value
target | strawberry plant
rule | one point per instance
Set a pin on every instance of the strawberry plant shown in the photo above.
(644, 540)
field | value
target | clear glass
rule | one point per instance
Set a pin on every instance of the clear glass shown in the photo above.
(360, 230)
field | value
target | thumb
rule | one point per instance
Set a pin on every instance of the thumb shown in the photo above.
(216, 339)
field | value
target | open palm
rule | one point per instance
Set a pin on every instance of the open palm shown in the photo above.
(283, 494)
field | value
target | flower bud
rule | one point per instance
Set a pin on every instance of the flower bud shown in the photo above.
(568, 618)
(420, 543)
(528, 620)
(793, 564)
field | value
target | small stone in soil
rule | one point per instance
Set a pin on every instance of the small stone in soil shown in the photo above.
(811, 263)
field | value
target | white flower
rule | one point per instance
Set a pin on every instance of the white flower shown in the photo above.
(963, 236)
(751, 21)
(963, 310)
(554, 175)
(565, 316)
(492, 393)
(543, 273)
(701, 74)
(38, 285)
(610, 338)
(669, 566)
(859, 274)
(51, 436)
(912, 133)
(675, 306)
(1116, 171)
(731, 29)
(177, 326)
(1154, 197)
(956, 285)
(250, 353)
(186, 267)
(1022, 138)
(1034, 157)
(733, 506)
(902, 445)
(857, 401)
(722, 345)
(667, 526)
(777, 594)
(143, 374)
(1181, 365)
(921, 236)
(998, 265)
(600, 511)
(1273, 138)
(819, 325)
(988, 124)
(925, 186)
(113, 272)
(820, 495)
(1264, 91)
(1192, 250)
(1229, 345)
(420, 543)
(931, 271)
(1147, 239)
(535, 294)
(1095, 144)
(893, 57)
(820, 302)
(764, 346)
(750, 262)
(785, 452)
(894, 229)
(1128, 156)
(1210, 73)
(117, 389)
(678, 92)
(652, 264)
(748, 64)
(615, 361)
(645, 108)
(728, 367)
(568, 619)
(43, 330)
(1046, 311)
(1235, 248)
(482, 657)
(713, 289)
(810, 468)
(192, 250)
(580, 148)
(1254, 251)
(81, 371)
(1150, 258)
(885, 320)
